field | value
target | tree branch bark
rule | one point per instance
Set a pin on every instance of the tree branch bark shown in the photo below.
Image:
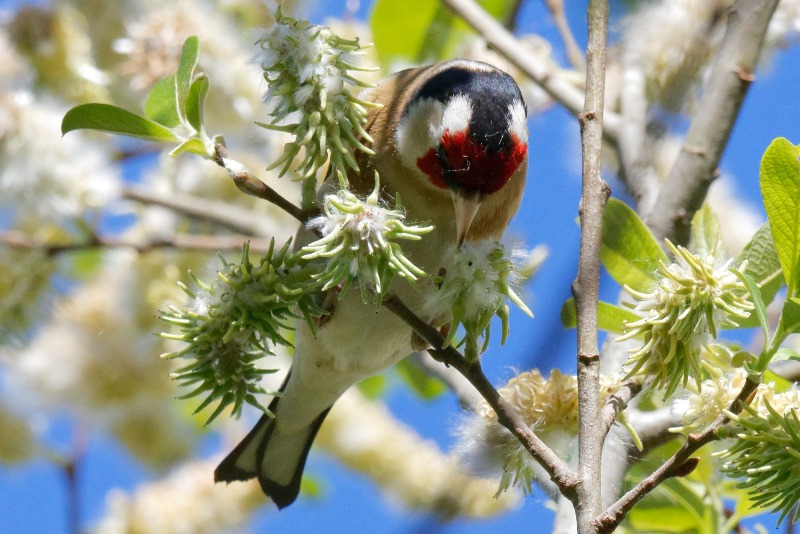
(574, 52)
(561, 475)
(586, 286)
(250, 185)
(234, 218)
(679, 464)
(210, 243)
(731, 76)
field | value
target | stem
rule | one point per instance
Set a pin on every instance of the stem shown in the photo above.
(574, 53)
(731, 76)
(211, 243)
(249, 184)
(586, 286)
(559, 472)
(616, 403)
(676, 465)
(73, 497)
(235, 218)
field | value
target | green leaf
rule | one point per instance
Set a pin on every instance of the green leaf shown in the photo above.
(183, 76)
(108, 118)
(785, 353)
(311, 487)
(628, 250)
(669, 518)
(610, 317)
(373, 387)
(790, 316)
(780, 186)
(162, 104)
(677, 506)
(763, 264)
(193, 145)
(430, 30)
(422, 383)
(760, 310)
(706, 237)
(195, 100)
(781, 384)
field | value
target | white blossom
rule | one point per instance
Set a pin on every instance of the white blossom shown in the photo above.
(46, 176)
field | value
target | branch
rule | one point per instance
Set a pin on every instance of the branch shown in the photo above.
(619, 453)
(731, 76)
(455, 381)
(679, 464)
(653, 426)
(585, 288)
(574, 53)
(617, 403)
(235, 218)
(249, 184)
(556, 86)
(211, 243)
(559, 472)
(636, 141)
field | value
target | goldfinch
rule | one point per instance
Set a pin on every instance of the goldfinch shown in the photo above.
(451, 140)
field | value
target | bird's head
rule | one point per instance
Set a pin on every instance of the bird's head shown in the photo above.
(465, 129)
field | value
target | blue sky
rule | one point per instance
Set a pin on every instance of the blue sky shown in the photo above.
(33, 498)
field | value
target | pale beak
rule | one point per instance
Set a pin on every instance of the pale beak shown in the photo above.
(466, 208)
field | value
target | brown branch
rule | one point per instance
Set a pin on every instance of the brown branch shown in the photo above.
(226, 215)
(679, 464)
(561, 475)
(731, 76)
(586, 287)
(249, 184)
(210, 243)
(556, 86)
(616, 403)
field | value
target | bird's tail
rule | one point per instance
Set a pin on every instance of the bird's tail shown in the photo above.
(276, 458)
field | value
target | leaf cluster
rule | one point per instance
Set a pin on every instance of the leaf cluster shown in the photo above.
(173, 111)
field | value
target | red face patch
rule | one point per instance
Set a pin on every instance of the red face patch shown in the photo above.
(471, 168)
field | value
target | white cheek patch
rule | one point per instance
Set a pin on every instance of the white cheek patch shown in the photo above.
(457, 115)
(518, 125)
(425, 123)
(416, 133)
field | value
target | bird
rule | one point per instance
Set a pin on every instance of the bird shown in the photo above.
(451, 141)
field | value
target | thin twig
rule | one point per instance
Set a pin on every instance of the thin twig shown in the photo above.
(696, 167)
(73, 496)
(679, 464)
(210, 243)
(249, 184)
(617, 402)
(70, 466)
(455, 381)
(561, 475)
(586, 286)
(574, 53)
(637, 139)
(235, 218)
(556, 86)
